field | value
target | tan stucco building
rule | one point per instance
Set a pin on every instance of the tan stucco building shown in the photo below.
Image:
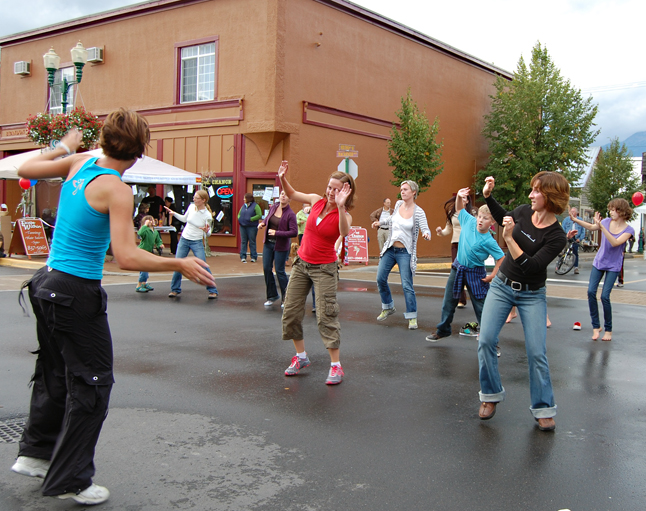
(232, 87)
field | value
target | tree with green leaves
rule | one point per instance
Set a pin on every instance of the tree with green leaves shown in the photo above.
(538, 121)
(413, 150)
(612, 177)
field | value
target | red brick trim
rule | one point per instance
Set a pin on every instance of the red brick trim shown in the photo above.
(349, 115)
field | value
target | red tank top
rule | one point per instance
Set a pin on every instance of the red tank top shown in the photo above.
(319, 240)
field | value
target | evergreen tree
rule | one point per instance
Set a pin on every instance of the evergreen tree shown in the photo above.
(612, 177)
(538, 121)
(412, 150)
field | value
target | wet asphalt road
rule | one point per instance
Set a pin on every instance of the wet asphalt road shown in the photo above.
(202, 417)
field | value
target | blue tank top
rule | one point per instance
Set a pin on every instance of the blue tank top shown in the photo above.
(82, 234)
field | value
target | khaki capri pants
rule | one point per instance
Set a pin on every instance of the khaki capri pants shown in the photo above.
(325, 279)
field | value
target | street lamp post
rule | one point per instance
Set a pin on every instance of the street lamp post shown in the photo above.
(52, 63)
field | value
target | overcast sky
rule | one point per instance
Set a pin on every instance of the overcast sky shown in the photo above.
(597, 44)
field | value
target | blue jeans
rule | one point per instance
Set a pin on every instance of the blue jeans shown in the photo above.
(183, 247)
(248, 234)
(532, 308)
(608, 282)
(143, 276)
(272, 257)
(386, 262)
(575, 251)
(449, 305)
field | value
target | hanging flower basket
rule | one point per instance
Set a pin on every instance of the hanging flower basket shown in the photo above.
(42, 129)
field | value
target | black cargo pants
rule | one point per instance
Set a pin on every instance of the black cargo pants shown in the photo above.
(72, 380)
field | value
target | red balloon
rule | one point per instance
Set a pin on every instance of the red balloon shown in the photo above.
(638, 198)
(24, 183)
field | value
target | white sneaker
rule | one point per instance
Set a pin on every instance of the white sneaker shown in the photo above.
(412, 324)
(32, 467)
(93, 494)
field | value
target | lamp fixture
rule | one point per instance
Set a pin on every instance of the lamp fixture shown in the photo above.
(52, 63)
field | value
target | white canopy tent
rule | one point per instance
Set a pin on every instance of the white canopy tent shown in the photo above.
(147, 170)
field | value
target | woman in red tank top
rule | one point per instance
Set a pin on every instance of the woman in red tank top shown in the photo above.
(316, 266)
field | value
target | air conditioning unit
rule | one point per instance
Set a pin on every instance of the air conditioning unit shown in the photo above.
(22, 68)
(95, 54)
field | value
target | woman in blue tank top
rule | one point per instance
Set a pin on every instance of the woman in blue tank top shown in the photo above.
(75, 346)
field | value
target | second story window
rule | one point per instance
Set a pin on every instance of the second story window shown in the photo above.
(56, 93)
(197, 81)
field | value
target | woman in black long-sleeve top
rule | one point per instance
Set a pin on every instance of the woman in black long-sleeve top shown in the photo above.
(534, 238)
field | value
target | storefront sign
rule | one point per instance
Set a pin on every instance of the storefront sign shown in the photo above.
(224, 192)
(29, 238)
(357, 246)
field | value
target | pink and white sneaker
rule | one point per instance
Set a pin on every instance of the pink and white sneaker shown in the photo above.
(335, 376)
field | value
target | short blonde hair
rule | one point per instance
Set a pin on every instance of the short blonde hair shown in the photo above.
(412, 185)
(484, 209)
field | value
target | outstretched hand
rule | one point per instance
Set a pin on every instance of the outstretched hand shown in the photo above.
(282, 170)
(464, 193)
(488, 187)
(73, 139)
(597, 218)
(340, 196)
(194, 269)
(170, 211)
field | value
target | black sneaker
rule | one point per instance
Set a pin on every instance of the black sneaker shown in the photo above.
(435, 337)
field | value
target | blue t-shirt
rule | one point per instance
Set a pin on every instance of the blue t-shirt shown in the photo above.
(82, 234)
(475, 247)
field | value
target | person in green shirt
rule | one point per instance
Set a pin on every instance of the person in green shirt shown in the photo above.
(301, 218)
(150, 239)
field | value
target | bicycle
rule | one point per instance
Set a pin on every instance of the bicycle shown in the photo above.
(565, 260)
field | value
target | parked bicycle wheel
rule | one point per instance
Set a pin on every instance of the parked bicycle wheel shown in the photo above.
(565, 262)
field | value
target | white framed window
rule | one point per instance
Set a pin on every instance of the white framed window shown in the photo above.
(56, 92)
(197, 73)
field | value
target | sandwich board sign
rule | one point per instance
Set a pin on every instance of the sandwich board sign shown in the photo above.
(29, 238)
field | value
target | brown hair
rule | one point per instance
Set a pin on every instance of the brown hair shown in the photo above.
(554, 188)
(449, 207)
(345, 178)
(146, 218)
(248, 197)
(144, 207)
(125, 135)
(622, 207)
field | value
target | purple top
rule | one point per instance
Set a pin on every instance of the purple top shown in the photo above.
(287, 229)
(610, 258)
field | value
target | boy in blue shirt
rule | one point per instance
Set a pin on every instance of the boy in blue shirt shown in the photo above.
(474, 247)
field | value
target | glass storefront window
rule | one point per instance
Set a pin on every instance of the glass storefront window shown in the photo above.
(263, 196)
(221, 203)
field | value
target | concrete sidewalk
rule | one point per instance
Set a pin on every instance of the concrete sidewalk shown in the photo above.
(431, 272)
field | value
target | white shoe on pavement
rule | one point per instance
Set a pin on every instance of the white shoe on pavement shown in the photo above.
(93, 494)
(32, 467)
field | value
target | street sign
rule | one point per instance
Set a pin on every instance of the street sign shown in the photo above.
(348, 166)
(347, 151)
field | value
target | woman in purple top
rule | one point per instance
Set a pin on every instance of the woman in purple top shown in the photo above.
(281, 228)
(616, 232)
